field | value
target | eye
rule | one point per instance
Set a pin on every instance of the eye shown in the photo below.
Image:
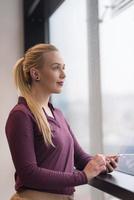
(56, 68)
(64, 67)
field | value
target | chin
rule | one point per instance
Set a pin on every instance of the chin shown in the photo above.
(57, 91)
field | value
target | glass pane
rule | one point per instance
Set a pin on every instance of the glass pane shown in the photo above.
(117, 82)
(117, 61)
(68, 31)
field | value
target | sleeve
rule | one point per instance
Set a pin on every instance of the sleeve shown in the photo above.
(81, 158)
(20, 136)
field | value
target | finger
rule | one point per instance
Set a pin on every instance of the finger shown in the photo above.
(100, 159)
(103, 169)
(109, 168)
(100, 162)
(113, 163)
(115, 157)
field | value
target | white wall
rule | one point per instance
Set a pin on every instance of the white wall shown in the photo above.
(11, 48)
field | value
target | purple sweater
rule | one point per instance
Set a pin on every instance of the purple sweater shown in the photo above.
(41, 167)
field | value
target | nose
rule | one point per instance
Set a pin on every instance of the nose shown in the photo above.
(62, 74)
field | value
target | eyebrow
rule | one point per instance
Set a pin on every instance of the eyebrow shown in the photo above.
(57, 64)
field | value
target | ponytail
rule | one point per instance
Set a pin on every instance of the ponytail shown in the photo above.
(19, 77)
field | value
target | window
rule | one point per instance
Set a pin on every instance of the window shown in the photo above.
(117, 83)
(117, 69)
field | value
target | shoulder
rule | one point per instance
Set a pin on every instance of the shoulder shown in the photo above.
(19, 119)
(20, 111)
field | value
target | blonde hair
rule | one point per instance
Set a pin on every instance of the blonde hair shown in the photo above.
(33, 58)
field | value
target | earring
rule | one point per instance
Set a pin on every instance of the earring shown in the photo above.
(37, 78)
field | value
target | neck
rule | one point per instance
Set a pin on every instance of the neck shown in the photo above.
(40, 96)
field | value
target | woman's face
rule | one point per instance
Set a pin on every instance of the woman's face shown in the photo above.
(52, 74)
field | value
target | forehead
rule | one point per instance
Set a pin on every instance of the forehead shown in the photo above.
(53, 57)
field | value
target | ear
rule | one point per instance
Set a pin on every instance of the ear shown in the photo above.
(35, 74)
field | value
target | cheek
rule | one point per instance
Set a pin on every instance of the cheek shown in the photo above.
(48, 78)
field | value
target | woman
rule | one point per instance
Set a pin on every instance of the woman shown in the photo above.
(43, 147)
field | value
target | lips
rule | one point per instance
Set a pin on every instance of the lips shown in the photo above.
(60, 83)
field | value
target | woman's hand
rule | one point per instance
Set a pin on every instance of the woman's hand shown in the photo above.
(111, 163)
(95, 166)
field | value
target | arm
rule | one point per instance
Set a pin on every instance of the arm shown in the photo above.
(81, 158)
(20, 135)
